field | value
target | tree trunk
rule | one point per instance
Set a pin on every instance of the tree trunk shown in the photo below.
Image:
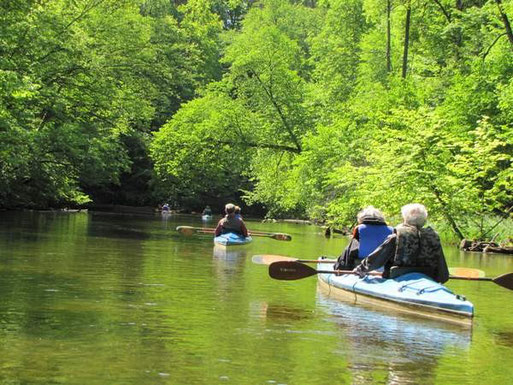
(389, 60)
(406, 39)
(446, 213)
(505, 20)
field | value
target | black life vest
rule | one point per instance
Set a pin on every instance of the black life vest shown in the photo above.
(416, 247)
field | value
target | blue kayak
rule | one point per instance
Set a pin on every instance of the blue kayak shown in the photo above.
(232, 239)
(413, 293)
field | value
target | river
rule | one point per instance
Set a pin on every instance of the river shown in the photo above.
(97, 298)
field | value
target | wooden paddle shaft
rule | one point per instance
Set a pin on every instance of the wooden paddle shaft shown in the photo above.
(471, 278)
(210, 229)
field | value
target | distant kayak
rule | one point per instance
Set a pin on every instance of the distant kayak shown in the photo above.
(206, 217)
(232, 239)
(413, 293)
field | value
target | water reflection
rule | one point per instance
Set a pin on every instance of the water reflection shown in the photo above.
(228, 264)
(229, 257)
(400, 349)
(165, 215)
(116, 228)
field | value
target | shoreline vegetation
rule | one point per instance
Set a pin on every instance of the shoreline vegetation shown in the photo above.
(501, 242)
(292, 109)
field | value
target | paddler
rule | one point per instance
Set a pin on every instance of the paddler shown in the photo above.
(411, 248)
(230, 223)
(207, 211)
(237, 212)
(371, 231)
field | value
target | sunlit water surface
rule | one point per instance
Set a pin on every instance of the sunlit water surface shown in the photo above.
(116, 299)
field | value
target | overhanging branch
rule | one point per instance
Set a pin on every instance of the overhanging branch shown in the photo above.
(259, 145)
(280, 112)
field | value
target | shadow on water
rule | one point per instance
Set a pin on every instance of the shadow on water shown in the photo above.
(131, 227)
(405, 349)
(504, 338)
(287, 313)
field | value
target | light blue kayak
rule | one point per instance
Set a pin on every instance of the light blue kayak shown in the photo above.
(232, 239)
(413, 293)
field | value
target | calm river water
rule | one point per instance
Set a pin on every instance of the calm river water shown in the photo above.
(109, 299)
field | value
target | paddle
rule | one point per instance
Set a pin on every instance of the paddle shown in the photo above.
(189, 230)
(267, 259)
(213, 229)
(466, 272)
(290, 270)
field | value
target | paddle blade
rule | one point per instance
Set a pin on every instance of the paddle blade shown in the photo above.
(466, 272)
(504, 280)
(281, 237)
(287, 270)
(267, 259)
(186, 230)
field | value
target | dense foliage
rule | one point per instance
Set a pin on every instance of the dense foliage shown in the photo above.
(82, 85)
(308, 108)
(357, 102)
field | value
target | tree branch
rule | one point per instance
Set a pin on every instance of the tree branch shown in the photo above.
(498, 222)
(446, 213)
(505, 20)
(444, 11)
(280, 112)
(491, 46)
(84, 12)
(259, 145)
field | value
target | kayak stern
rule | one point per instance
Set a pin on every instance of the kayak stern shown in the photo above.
(412, 293)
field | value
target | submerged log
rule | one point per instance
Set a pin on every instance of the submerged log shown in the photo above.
(502, 250)
(484, 247)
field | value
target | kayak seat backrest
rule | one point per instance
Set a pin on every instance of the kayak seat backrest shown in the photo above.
(397, 271)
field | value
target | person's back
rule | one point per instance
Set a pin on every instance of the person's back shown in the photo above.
(411, 248)
(417, 247)
(370, 232)
(370, 236)
(230, 223)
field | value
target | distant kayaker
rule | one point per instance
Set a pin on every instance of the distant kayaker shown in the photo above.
(411, 248)
(165, 207)
(207, 211)
(230, 223)
(372, 230)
